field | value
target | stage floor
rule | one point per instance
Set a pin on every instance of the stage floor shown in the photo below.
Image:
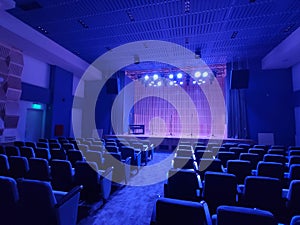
(170, 142)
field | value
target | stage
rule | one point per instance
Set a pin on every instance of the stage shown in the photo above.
(169, 143)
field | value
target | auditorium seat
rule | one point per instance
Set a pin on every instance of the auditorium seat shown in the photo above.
(4, 165)
(177, 212)
(184, 163)
(213, 165)
(113, 149)
(58, 154)
(121, 167)
(38, 169)
(54, 145)
(31, 144)
(67, 146)
(275, 158)
(244, 146)
(270, 169)
(240, 168)
(83, 148)
(96, 184)
(206, 154)
(294, 172)
(43, 153)
(95, 156)
(294, 152)
(219, 189)
(62, 175)
(42, 145)
(19, 143)
(215, 150)
(12, 151)
(237, 151)
(225, 156)
(292, 203)
(259, 151)
(183, 184)
(252, 158)
(9, 195)
(39, 204)
(136, 157)
(277, 151)
(229, 145)
(235, 215)
(27, 152)
(74, 156)
(19, 166)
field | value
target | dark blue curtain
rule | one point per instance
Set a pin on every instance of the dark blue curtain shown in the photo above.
(237, 126)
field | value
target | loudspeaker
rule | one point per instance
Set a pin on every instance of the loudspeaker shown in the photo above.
(239, 79)
(112, 86)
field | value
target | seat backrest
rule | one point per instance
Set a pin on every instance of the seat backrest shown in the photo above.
(19, 143)
(184, 153)
(213, 165)
(240, 168)
(183, 184)
(127, 151)
(294, 172)
(39, 169)
(42, 145)
(270, 169)
(276, 151)
(19, 166)
(27, 152)
(225, 156)
(61, 174)
(94, 156)
(83, 148)
(230, 215)
(12, 151)
(183, 163)
(55, 145)
(251, 157)
(74, 156)
(237, 151)
(275, 158)
(37, 202)
(43, 153)
(178, 212)
(259, 151)
(294, 152)
(207, 154)
(67, 146)
(114, 149)
(229, 145)
(4, 165)
(30, 144)
(219, 189)
(9, 196)
(293, 198)
(58, 154)
(263, 193)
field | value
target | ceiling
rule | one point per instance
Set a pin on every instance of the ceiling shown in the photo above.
(220, 30)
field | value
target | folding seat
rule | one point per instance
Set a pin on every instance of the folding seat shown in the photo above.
(113, 149)
(294, 148)
(88, 143)
(215, 150)
(96, 184)
(213, 165)
(240, 168)
(264, 147)
(144, 151)
(270, 169)
(4, 165)
(96, 148)
(294, 172)
(39, 204)
(83, 148)
(277, 147)
(295, 220)
(19, 166)
(210, 145)
(62, 175)
(184, 153)
(237, 151)
(54, 146)
(169, 211)
(19, 143)
(30, 144)
(42, 153)
(150, 148)
(74, 156)
(121, 167)
(200, 147)
(42, 145)
(38, 169)
(293, 196)
(63, 141)
(295, 159)
(225, 156)
(136, 157)
(228, 145)
(184, 147)
(244, 146)
(53, 141)
(58, 154)
(12, 151)
(219, 189)
(275, 158)
(276, 151)
(252, 158)
(183, 184)
(67, 146)
(74, 142)
(27, 152)
(184, 163)
(234, 215)
(205, 154)
(259, 151)
(43, 140)
(9, 201)
(263, 193)
(95, 156)
(294, 152)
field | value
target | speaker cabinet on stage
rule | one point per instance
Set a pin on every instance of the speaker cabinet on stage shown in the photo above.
(239, 79)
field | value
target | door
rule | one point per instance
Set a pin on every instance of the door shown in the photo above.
(34, 124)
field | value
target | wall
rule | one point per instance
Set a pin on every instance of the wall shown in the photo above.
(270, 109)
(296, 89)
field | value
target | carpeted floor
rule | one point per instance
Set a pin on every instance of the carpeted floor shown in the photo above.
(133, 204)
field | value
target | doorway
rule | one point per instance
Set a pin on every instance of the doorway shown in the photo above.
(34, 125)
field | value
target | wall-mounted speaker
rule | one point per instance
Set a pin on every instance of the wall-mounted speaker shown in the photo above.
(239, 79)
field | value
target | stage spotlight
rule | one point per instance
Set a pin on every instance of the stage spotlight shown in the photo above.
(175, 81)
(181, 82)
(171, 76)
(205, 74)
(179, 75)
(159, 83)
(155, 77)
(197, 74)
(146, 77)
(175, 84)
(150, 84)
(204, 82)
(194, 82)
(171, 83)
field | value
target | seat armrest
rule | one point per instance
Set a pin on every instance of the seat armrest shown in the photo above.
(68, 196)
(206, 213)
(240, 189)
(285, 193)
(254, 172)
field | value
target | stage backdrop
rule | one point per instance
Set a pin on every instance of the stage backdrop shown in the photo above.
(161, 116)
